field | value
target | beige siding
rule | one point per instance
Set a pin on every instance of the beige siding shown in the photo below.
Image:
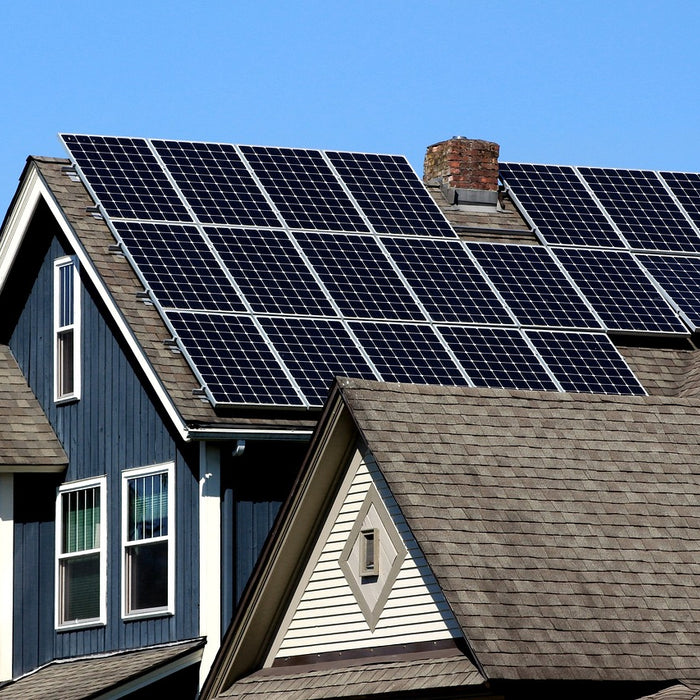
(327, 616)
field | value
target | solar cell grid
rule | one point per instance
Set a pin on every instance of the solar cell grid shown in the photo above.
(559, 204)
(619, 291)
(680, 279)
(304, 189)
(447, 281)
(177, 265)
(234, 360)
(315, 351)
(686, 187)
(408, 353)
(585, 362)
(358, 276)
(643, 210)
(270, 272)
(534, 287)
(497, 357)
(390, 194)
(126, 178)
(216, 183)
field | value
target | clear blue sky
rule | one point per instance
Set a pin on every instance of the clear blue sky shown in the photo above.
(612, 83)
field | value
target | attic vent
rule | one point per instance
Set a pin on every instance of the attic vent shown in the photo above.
(372, 557)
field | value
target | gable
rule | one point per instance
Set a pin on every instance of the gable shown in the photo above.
(335, 608)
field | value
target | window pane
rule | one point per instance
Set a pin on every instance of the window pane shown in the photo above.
(147, 571)
(80, 588)
(148, 507)
(81, 520)
(65, 363)
(65, 295)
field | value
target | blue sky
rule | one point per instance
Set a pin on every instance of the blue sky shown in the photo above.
(611, 83)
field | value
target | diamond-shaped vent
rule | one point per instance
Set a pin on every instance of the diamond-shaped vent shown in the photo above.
(388, 552)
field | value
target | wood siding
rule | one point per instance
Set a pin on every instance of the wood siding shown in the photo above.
(327, 616)
(113, 427)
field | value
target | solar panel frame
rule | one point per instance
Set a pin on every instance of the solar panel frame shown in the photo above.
(216, 183)
(646, 214)
(619, 290)
(533, 285)
(390, 194)
(111, 164)
(585, 362)
(559, 205)
(497, 358)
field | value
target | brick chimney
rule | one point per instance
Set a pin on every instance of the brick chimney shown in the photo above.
(465, 169)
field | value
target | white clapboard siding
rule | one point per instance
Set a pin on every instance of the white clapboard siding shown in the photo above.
(327, 616)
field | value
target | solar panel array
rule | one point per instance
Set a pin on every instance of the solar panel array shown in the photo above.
(276, 269)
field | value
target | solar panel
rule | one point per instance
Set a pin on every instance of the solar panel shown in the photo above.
(447, 281)
(304, 189)
(234, 359)
(177, 266)
(680, 279)
(559, 204)
(126, 178)
(390, 194)
(497, 357)
(405, 352)
(216, 183)
(270, 272)
(686, 187)
(533, 286)
(315, 351)
(643, 210)
(617, 288)
(585, 362)
(358, 276)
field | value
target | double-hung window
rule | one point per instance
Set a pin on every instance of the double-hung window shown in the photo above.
(66, 329)
(148, 541)
(81, 568)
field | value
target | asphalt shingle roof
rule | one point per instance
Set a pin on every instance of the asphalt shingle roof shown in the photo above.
(564, 529)
(26, 438)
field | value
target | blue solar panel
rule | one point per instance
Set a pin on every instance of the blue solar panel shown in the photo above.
(532, 284)
(359, 276)
(390, 194)
(686, 187)
(177, 266)
(617, 288)
(407, 353)
(585, 362)
(216, 183)
(680, 279)
(234, 360)
(270, 272)
(304, 189)
(446, 280)
(126, 178)
(315, 351)
(643, 210)
(559, 204)
(497, 357)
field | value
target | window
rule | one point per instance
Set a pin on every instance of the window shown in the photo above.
(80, 546)
(148, 575)
(369, 552)
(66, 330)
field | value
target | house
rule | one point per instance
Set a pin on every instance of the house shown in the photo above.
(173, 315)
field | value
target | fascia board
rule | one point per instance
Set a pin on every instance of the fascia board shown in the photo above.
(32, 189)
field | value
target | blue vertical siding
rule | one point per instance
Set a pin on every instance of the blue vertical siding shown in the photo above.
(114, 426)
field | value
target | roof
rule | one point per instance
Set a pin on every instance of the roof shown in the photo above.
(26, 438)
(357, 680)
(91, 677)
(564, 529)
(143, 319)
(680, 691)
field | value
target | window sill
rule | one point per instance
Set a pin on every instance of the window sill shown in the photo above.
(80, 625)
(147, 614)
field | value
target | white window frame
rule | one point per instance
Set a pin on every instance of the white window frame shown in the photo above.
(58, 264)
(74, 486)
(127, 474)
